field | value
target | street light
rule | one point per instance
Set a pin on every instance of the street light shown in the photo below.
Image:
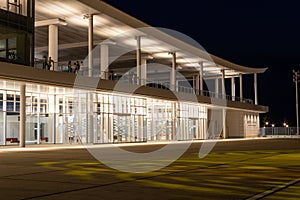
(296, 77)
(267, 123)
(273, 125)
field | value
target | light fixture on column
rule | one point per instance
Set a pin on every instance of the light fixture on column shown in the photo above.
(296, 76)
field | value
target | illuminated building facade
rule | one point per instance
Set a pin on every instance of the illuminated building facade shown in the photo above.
(136, 83)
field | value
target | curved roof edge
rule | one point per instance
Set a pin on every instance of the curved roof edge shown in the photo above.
(113, 12)
(237, 67)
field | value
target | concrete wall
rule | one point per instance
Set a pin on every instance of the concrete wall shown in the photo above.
(235, 124)
(242, 124)
(251, 121)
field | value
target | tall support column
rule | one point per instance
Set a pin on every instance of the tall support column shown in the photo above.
(54, 120)
(217, 87)
(201, 75)
(90, 118)
(144, 72)
(255, 89)
(197, 86)
(104, 62)
(173, 73)
(22, 114)
(241, 87)
(38, 121)
(223, 84)
(138, 59)
(53, 45)
(90, 44)
(224, 123)
(233, 88)
(4, 113)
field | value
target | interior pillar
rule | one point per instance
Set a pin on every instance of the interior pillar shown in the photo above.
(144, 72)
(138, 59)
(90, 44)
(22, 115)
(223, 84)
(104, 61)
(241, 87)
(217, 87)
(53, 45)
(201, 79)
(173, 73)
(233, 88)
(255, 89)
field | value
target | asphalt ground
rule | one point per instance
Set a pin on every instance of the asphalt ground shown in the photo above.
(236, 169)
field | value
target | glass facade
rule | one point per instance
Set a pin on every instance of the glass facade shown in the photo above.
(61, 115)
(17, 31)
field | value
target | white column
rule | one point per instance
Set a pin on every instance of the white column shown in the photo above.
(255, 89)
(223, 84)
(173, 73)
(138, 59)
(104, 61)
(38, 120)
(197, 86)
(144, 72)
(233, 88)
(54, 120)
(224, 123)
(201, 78)
(53, 45)
(22, 115)
(90, 44)
(241, 87)
(4, 113)
(90, 120)
(217, 87)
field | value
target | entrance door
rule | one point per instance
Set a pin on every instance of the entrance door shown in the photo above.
(37, 129)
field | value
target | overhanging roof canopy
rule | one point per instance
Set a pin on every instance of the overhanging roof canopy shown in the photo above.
(109, 22)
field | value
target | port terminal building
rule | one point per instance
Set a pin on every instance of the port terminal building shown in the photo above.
(83, 71)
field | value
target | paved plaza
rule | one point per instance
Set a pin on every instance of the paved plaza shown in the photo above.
(234, 169)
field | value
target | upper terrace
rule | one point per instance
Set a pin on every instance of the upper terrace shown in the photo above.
(114, 45)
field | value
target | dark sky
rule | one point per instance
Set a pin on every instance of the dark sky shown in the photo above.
(253, 33)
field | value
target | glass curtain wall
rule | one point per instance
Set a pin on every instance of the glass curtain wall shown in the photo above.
(39, 127)
(21, 7)
(9, 116)
(17, 31)
(119, 119)
(161, 121)
(192, 121)
(58, 115)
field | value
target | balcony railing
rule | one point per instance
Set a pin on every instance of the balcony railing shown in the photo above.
(132, 79)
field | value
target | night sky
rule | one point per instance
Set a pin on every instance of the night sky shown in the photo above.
(253, 33)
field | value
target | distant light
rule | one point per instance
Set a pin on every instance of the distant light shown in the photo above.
(267, 123)
(287, 126)
(273, 125)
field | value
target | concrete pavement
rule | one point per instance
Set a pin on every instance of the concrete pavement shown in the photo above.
(237, 169)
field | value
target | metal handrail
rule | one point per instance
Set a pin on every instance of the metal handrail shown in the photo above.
(132, 79)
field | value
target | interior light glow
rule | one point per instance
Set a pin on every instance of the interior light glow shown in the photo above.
(210, 69)
(188, 60)
(162, 55)
(108, 31)
(57, 8)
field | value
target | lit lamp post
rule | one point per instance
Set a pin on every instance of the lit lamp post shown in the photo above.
(267, 123)
(296, 80)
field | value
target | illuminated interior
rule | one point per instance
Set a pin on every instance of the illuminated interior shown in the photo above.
(109, 44)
